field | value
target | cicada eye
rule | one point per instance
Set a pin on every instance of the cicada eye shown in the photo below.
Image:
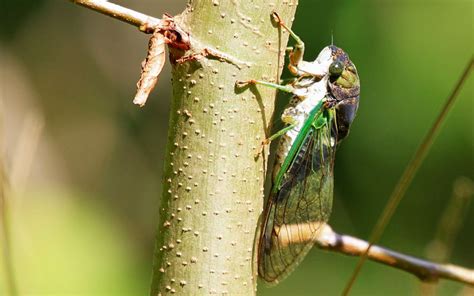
(336, 68)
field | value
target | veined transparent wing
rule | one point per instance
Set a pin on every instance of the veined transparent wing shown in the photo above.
(303, 202)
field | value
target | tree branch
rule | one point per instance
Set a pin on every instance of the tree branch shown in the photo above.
(329, 240)
(144, 22)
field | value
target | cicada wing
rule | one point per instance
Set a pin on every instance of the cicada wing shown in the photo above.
(296, 211)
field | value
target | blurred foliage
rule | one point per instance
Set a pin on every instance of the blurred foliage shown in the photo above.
(66, 245)
(85, 223)
(14, 14)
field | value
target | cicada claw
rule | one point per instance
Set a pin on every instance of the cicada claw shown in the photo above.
(262, 147)
(277, 18)
(244, 83)
(329, 103)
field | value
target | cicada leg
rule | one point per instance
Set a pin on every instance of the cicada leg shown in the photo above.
(329, 103)
(284, 88)
(268, 140)
(295, 53)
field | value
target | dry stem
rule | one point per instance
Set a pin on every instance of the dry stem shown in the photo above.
(144, 22)
(329, 240)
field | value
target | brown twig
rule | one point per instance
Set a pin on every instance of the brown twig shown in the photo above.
(144, 22)
(153, 63)
(329, 240)
(165, 32)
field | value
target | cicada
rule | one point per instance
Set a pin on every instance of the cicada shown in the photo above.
(320, 113)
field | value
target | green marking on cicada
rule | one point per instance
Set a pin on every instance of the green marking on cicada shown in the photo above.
(324, 104)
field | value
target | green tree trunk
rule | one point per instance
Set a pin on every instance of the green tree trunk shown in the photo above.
(213, 184)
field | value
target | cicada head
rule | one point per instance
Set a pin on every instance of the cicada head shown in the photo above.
(343, 78)
(344, 87)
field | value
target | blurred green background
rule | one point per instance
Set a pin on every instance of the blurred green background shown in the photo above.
(85, 164)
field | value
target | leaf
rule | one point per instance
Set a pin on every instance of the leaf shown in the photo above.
(151, 68)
